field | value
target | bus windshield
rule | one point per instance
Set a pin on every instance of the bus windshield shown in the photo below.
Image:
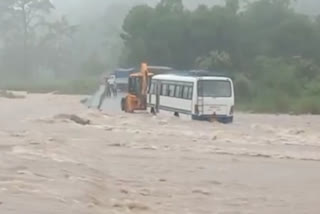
(214, 88)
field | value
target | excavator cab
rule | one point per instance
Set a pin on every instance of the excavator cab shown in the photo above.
(135, 85)
(137, 90)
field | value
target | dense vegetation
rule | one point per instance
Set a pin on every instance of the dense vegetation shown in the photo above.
(270, 50)
(42, 50)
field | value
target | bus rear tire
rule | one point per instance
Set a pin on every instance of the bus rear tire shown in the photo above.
(176, 114)
(193, 117)
(229, 120)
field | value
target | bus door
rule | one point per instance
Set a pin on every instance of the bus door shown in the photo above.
(158, 91)
(200, 99)
(150, 91)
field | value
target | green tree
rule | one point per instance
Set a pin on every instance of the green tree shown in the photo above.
(135, 28)
(32, 39)
(30, 12)
(270, 50)
(170, 5)
(56, 42)
(220, 61)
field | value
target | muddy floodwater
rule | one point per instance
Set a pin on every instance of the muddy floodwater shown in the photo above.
(138, 163)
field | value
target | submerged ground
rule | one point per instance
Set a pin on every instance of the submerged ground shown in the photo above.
(137, 163)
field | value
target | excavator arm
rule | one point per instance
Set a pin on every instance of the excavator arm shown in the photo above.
(145, 79)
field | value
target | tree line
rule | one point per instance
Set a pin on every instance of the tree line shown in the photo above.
(271, 51)
(41, 50)
(32, 41)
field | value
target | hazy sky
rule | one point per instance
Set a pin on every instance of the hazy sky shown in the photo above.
(76, 9)
(84, 8)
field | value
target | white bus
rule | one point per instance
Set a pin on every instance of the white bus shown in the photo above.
(202, 97)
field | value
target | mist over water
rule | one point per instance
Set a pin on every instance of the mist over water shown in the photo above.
(59, 154)
(72, 43)
(81, 9)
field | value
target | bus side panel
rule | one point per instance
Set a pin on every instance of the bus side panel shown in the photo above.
(175, 105)
(152, 100)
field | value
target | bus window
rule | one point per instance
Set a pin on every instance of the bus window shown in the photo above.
(190, 93)
(185, 92)
(151, 89)
(171, 90)
(178, 91)
(215, 88)
(164, 90)
(150, 82)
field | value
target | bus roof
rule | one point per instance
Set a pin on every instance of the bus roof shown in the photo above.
(152, 67)
(174, 77)
(124, 69)
(138, 74)
(198, 73)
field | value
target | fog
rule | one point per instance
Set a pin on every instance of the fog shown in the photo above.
(61, 152)
(85, 40)
(81, 9)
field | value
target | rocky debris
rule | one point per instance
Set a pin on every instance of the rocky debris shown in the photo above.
(10, 95)
(214, 182)
(116, 145)
(20, 134)
(45, 120)
(84, 100)
(149, 148)
(163, 122)
(297, 131)
(73, 118)
(124, 191)
(79, 120)
(145, 192)
(108, 128)
(200, 191)
(131, 205)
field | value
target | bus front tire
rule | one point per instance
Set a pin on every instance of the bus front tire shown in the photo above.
(153, 111)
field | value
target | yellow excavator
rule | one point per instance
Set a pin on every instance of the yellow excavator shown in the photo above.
(136, 98)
